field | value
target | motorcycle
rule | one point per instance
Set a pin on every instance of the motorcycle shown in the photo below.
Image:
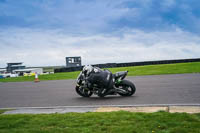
(120, 86)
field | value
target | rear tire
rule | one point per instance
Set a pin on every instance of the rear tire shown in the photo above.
(82, 92)
(127, 86)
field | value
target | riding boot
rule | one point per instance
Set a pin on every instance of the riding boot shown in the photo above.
(103, 92)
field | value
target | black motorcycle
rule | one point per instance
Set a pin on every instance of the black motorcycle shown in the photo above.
(120, 86)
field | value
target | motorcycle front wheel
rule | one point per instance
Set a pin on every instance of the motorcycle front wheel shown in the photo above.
(128, 86)
(83, 92)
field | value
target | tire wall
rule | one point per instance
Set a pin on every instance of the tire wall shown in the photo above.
(111, 65)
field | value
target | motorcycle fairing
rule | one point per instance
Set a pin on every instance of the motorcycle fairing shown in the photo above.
(121, 75)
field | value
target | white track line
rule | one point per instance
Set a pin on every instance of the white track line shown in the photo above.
(97, 106)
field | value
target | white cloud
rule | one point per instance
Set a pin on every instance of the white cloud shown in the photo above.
(50, 47)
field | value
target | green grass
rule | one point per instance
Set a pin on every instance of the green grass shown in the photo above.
(178, 68)
(56, 76)
(112, 122)
(4, 110)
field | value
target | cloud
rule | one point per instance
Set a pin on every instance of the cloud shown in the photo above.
(72, 15)
(151, 15)
(42, 32)
(102, 16)
(50, 47)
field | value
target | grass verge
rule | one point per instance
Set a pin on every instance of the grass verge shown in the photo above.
(178, 68)
(112, 122)
(4, 110)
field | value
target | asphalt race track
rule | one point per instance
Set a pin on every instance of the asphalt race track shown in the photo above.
(157, 89)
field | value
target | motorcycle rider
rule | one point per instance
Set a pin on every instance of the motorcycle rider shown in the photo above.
(102, 78)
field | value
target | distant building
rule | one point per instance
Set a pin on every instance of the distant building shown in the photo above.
(73, 61)
(2, 70)
(14, 66)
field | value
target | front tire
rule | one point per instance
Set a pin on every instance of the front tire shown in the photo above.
(83, 92)
(128, 86)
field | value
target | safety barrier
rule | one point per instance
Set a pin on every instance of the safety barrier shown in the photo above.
(111, 65)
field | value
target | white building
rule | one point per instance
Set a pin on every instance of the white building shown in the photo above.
(2, 70)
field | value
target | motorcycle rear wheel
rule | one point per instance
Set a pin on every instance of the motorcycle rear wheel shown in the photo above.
(83, 92)
(127, 86)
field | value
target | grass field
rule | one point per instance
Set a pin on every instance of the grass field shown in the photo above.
(4, 110)
(112, 122)
(178, 68)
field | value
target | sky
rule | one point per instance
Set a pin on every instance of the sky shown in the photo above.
(44, 32)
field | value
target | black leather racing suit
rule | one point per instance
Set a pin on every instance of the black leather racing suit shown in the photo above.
(102, 78)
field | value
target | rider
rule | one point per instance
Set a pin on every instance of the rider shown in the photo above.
(103, 78)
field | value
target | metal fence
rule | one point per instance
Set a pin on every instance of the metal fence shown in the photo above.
(111, 65)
